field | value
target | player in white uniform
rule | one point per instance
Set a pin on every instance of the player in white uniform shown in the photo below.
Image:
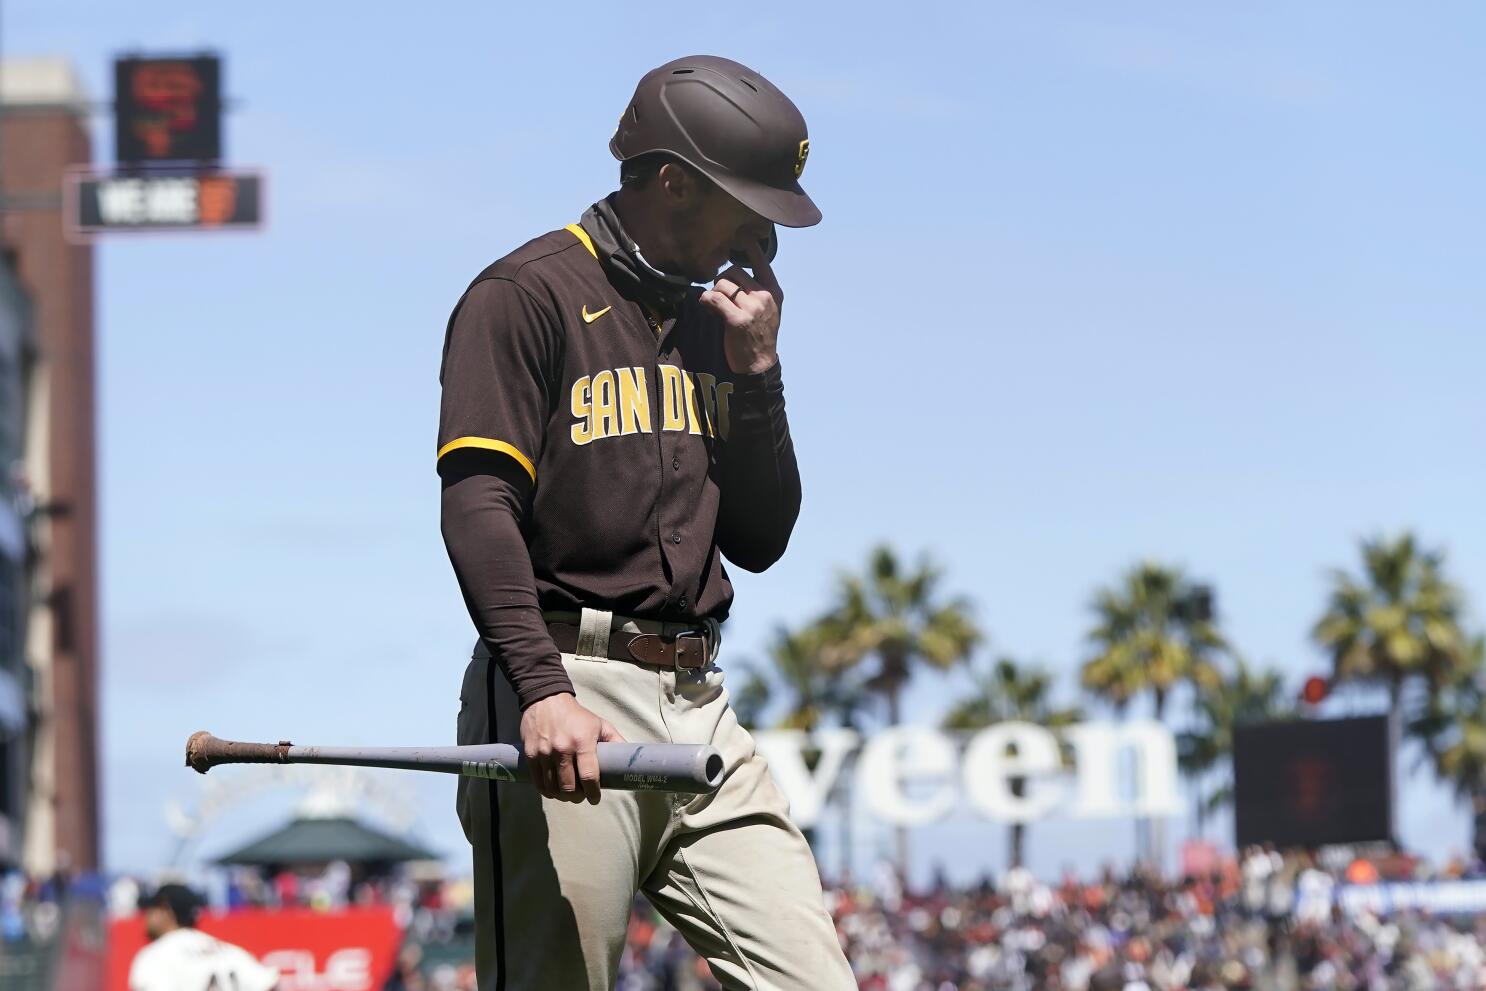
(180, 957)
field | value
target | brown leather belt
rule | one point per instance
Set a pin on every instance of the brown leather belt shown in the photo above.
(686, 650)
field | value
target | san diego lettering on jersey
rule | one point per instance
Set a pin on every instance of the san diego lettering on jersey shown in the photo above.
(617, 402)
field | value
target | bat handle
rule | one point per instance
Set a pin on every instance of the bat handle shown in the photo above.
(204, 752)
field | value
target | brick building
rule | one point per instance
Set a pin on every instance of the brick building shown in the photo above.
(51, 469)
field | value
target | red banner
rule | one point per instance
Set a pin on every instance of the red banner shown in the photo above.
(350, 950)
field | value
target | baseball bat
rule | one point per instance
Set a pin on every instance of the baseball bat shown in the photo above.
(675, 767)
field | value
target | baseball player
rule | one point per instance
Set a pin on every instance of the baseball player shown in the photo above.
(608, 433)
(180, 957)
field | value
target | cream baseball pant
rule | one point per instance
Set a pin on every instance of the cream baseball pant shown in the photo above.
(554, 882)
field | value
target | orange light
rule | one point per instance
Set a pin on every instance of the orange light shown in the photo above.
(1315, 690)
(216, 199)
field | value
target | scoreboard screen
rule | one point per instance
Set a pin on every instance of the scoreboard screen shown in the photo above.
(167, 110)
(1309, 783)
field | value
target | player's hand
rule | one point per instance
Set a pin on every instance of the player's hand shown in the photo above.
(560, 740)
(751, 317)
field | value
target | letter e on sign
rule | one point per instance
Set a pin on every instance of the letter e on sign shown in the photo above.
(896, 756)
(1006, 751)
(348, 969)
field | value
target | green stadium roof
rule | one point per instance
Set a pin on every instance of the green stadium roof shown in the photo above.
(319, 841)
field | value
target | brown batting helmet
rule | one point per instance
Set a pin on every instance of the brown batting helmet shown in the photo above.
(729, 123)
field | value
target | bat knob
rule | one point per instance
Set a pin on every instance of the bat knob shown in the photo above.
(204, 752)
(198, 746)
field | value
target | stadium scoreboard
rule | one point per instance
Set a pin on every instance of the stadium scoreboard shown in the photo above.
(167, 110)
(1313, 782)
(169, 173)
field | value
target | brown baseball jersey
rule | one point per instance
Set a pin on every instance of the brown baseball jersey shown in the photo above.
(645, 458)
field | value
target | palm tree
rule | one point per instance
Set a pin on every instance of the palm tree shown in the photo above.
(1399, 619)
(1010, 692)
(800, 676)
(751, 698)
(797, 666)
(1452, 726)
(898, 616)
(1151, 634)
(1247, 695)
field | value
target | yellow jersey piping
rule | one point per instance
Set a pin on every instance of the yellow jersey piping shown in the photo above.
(488, 444)
(582, 235)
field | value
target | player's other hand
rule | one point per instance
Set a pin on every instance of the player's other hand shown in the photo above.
(560, 739)
(750, 318)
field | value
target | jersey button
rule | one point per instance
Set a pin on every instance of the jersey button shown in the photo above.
(675, 536)
(682, 604)
(675, 464)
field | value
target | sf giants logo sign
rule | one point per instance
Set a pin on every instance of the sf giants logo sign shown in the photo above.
(349, 969)
(618, 402)
(349, 950)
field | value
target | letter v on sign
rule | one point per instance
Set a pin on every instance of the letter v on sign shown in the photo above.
(785, 752)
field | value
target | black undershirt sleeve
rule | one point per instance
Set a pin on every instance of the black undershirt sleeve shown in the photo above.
(480, 516)
(500, 347)
(760, 478)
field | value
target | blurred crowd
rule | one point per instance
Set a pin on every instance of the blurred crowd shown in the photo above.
(1261, 920)
(1264, 921)
(333, 888)
(30, 908)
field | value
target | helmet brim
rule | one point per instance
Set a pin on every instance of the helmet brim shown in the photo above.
(788, 207)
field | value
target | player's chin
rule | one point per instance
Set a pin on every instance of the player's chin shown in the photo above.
(709, 268)
(704, 275)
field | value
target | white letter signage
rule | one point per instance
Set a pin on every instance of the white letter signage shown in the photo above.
(896, 755)
(785, 751)
(989, 769)
(907, 774)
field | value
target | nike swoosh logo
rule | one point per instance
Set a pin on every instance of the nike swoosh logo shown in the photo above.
(591, 317)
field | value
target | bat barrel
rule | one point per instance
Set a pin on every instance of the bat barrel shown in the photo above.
(677, 767)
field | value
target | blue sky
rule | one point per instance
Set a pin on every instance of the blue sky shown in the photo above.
(1177, 281)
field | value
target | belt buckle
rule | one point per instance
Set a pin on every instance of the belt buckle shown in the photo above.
(690, 649)
(689, 645)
